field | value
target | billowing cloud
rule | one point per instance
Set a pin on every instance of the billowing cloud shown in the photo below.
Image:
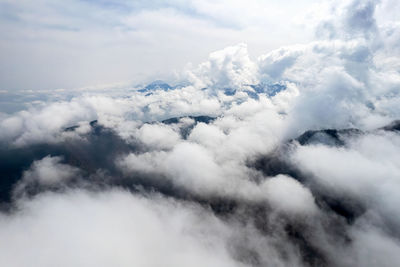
(228, 68)
(288, 159)
(88, 229)
(46, 172)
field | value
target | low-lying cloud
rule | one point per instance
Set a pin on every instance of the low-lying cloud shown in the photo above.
(288, 160)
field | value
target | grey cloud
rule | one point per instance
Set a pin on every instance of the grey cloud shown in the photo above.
(360, 16)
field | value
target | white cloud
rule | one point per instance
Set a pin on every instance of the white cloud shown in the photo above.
(227, 68)
(363, 170)
(103, 229)
(51, 44)
(47, 172)
(347, 78)
(288, 195)
(158, 136)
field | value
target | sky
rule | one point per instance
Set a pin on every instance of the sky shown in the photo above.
(70, 44)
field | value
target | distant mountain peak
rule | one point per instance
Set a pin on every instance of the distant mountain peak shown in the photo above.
(156, 85)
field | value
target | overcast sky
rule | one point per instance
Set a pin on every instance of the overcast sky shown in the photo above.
(50, 44)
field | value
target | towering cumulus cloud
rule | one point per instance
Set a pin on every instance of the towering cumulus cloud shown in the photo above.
(289, 159)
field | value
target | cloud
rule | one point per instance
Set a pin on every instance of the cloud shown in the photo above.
(52, 45)
(280, 160)
(371, 175)
(288, 195)
(227, 68)
(90, 229)
(49, 171)
(45, 173)
(158, 136)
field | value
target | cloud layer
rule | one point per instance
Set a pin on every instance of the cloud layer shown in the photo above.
(290, 159)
